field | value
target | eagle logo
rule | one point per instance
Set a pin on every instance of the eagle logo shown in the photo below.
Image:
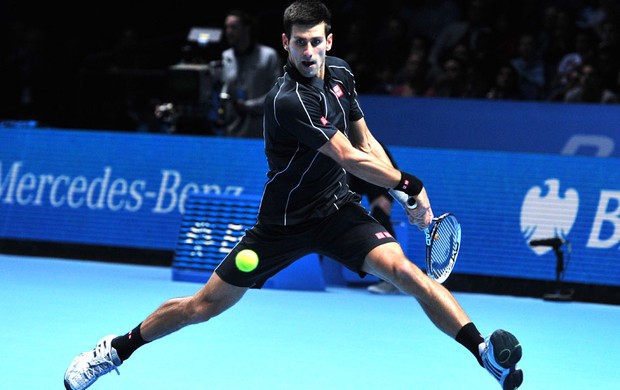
(548, 213)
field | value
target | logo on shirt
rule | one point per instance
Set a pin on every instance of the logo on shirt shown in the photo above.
(338, 91)
(324, 121)
(382, 235)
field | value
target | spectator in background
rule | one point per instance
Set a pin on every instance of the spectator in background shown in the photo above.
(249, 70)
(465, 32)
(412, 79)
(506, 86)
(530, 67)
(584, 51)
(391, 48)
(590, 88)
(428, 17)
(608, 63)
(451, 82)
(355, 51)
(595, 13)
(609, 32)
(557, 38)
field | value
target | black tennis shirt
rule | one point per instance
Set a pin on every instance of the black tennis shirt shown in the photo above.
(301, 115)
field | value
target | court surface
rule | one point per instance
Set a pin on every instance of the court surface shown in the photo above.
(344, 338)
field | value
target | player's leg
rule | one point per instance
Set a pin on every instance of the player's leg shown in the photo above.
(499, 353)
(277, 246)
(388, 262)
(212, 299)
(380, 209)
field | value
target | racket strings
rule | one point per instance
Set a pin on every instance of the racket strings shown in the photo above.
(445, 245)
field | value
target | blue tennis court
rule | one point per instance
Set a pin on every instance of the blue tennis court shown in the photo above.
(342, 338)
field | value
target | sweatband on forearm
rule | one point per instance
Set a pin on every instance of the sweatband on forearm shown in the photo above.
(409, 184)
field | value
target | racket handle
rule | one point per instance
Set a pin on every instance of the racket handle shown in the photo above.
(408, 202)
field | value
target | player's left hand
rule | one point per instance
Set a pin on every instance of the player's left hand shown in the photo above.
(422, 215)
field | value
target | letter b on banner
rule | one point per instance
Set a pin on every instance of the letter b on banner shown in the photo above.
(606, 221)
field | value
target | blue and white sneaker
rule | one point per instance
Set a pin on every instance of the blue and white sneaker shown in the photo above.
(500, 352)
(87, 367)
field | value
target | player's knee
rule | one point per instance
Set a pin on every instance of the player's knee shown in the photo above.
(411, 279)
(402, 272)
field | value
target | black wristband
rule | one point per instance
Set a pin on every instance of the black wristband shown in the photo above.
(409, 184)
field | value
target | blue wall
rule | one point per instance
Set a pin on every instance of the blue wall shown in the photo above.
(129, 190)
(571, 129)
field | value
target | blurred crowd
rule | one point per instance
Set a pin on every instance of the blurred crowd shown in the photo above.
(532, 50)
(542, 50)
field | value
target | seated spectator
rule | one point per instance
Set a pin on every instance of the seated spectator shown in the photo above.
(506, 86)
(531, 68)
(584, 51)
(391, 48)
(428, 17)
(451, 82)
(412, 79)
(354, 50)
(590, 88)
(466, 32)
(608, 64)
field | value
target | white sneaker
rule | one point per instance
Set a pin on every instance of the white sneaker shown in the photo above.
(500, 352)
(87, 367)
(383, 288)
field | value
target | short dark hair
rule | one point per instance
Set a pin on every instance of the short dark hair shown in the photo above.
(246, 18)
(306, 13)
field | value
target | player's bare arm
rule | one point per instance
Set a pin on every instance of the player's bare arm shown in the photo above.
(370, 168)
(362, 139)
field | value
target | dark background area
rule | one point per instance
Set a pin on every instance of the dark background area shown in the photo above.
(94, 65)
(104, 65)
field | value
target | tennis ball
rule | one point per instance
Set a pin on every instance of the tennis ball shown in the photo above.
(246, 260)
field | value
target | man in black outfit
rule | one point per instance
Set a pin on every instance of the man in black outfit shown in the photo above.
(315, 133)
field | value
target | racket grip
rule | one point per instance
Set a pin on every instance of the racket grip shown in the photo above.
(408, 202)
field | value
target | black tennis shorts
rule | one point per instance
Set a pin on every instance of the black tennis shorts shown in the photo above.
(346, 236)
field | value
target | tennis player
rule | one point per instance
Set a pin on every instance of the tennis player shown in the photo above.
(314, 133)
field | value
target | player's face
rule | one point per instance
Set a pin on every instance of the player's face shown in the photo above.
(307, 49)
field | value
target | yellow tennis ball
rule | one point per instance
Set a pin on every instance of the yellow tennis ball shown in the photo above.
(246, 260)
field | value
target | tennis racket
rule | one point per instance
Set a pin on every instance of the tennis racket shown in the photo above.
(443, 240)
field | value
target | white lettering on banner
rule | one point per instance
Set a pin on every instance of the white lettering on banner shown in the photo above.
(101, 184)
(605, 215)
(7, 184)
(603, 144)
(165, 189)
(169, 197)
(57, 200)
(23, 193)
(136, 189)
(104, 192)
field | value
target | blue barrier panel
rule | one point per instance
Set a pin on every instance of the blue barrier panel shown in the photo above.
(130, 190)
(532, 127)
(504, 200)
(116, 189)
